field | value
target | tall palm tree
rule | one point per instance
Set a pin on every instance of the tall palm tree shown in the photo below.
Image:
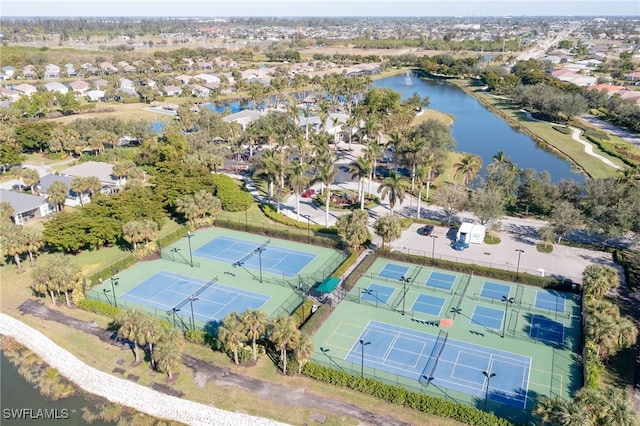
(326, 173)
(360, 169)
(13, 243)
(168, 353)
(396, 142)
(130, 321)
(30, 178)
(616, 408)
(303, 350)
(597, 280)
(394, 187)
(149, 230)
(468, 167)
(373, 152)
(546, 409)
(283, 334)
(388, 227)
(150, 334)
(268, 166)
(232, 334)
(412, 151)
(298, 180)
(598, 329)
(352, 228)
(93, 185)
(255, 324)
(33, 242)
(79, 186)
(132, 233)
(59, 274)
(501, 158)
(58, 191)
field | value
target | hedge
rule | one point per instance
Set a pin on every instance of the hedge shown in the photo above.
(562, 129)
(303, 312)
(110, 270)
(630, 261)
(232, 198)
(173, 236)
(317, 319)
(359, 271)
(98, 307)
(400, 396)
(348, 262)
(201, 337)
(270, 211)
(467, 268)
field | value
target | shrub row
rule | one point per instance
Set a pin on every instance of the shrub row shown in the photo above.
(201, 337)
(359, 271)
(562, 129)
(400, 396)
(98, 307)
(348, 262)
(630, 261)
(303, 312)
(484, 271)
(172, 237)
(232, 198)
(271, 212)
(610, 148)
(110, 270)
(317, 319)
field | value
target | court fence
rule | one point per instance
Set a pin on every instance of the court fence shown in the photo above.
(178, 259)
(513, 414)
(412, 282)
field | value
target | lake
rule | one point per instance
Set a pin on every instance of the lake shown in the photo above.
(479, 131)
(17, 394)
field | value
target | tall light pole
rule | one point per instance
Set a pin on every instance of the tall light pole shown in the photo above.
(246, 221)
(362, 345)
(260, 250)
(115, 279)
(507, 301)
(308, 217)
(520, 251)
(489, 376)
(405, 281)
(189, 235)
(433, 247)
(192, 299)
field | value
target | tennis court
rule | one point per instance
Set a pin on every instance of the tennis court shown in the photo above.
(427, 304)
(175, 292)
(443, 362)
(487, 317)
(440, 280)
(495, 291)
(268, 258)
(393, 271)
(547, 330)
(550, 302)
(377, 293)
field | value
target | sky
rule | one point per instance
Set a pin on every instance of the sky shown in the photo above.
(225, 8)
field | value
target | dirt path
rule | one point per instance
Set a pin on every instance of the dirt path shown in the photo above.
(205, 372)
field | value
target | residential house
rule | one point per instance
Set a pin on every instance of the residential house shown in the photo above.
(56, 86)
(244, 118)
(7, 72)
(172, 91)
(103, 171)
(129, 69)
(29, 72)
(73, 198)
(95, 95)
(632, 76)
(199, 91)
(9, 94)
(183, 78)
(25, 89)
(573, 77)
(79, 86)
(207, 78)
(25, 207)
(100, 83)
(51, 71)
(125, 83)
(107, 68)
(70, 70)
(203, 65)
(89, 69)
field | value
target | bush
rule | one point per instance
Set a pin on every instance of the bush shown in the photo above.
(201, 337)
(173, 236)
(110, 270)
(562, 129)
(232, 197)
(544, 247)
(100, 308)
(400, 396)
(359, 271)
(303, 312)
(349, 261)
(317, 319)
(630, 261)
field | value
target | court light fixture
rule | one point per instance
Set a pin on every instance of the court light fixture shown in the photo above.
(362, 345)
(489, 376)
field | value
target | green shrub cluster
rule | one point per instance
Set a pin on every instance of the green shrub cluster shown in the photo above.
(110, 270)
(594, 368)
(484, 271)
(400, 396)
(98, 307)
(201, 337)
(232, 197)
(610, 148)
(133, 100)
(630, 261)
(359, 271)
(348, 262)
(562, 129)
(173, 236)
(303, 312)
(317, 319)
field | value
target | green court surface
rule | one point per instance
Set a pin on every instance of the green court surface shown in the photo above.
(277, 293)
(542, 334)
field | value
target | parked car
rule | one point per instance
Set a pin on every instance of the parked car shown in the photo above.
(460, 245)
(308, 193)
(426, 230)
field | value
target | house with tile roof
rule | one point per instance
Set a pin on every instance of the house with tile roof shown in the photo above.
(79, 86)
(25, 89)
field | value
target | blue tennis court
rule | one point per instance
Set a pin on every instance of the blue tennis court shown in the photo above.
(276, 260)
(440, 280)
(495, 291)
(393, 271)
(549, 301)
(427, 304)
(166, 291)
(377, 293)
(547, 330)
(487, 317)
(443, 362)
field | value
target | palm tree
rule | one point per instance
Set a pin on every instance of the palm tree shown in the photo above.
(268, 166)
(360, 169)
(123, 169)
(598, 329)
(150, 334)
(255, 324)
(424, 173)
(149, 230)
(616, 408)
(13, 242)
(388, 227)
(468, 167)
(283, 334)
(352, 228)
(93, 185)
(546, 409)
(413, 150)
(298, 180)
(395, 187)
(168, 353)
(303, 350)
(130, 321)
(372, 154)
(501, 158)
(58, 274)
(58, 191)
(326, 173)
(231, 334)
(33, 242)
(79, 186)
(132, 232)
(6, 212)
(597, 280)
(30, 177)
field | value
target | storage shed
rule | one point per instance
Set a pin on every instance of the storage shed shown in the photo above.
(471, 233)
